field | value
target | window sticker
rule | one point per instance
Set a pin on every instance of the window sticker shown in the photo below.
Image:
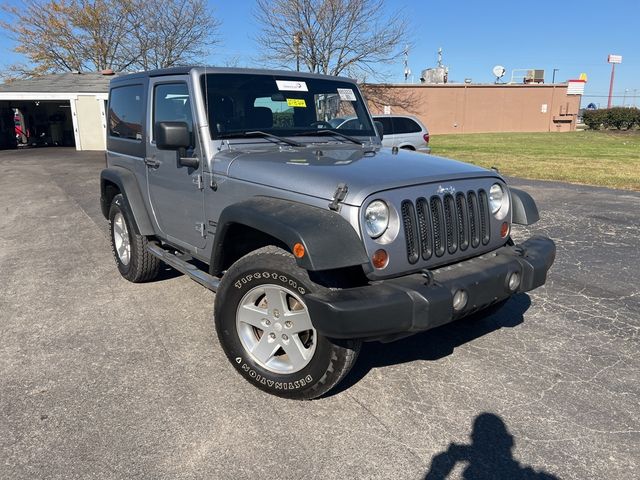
(296, 102)
(292, 85)
(347, 94)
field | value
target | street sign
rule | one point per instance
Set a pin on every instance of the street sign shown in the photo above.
(614, 59)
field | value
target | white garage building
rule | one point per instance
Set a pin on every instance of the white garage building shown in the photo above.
(67, 109)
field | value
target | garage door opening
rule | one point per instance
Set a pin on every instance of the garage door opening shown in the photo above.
(36, 123)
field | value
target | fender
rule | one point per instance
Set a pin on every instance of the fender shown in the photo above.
(128, 185)
(329, 241)
(525, 211)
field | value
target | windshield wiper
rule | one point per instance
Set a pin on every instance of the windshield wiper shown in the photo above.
(270, 136)
(331, 132)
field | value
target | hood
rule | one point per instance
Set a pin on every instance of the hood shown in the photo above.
(317, 170)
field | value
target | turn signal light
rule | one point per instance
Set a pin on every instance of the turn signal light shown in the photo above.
(380, 259)
(298, 250)
(504, 230)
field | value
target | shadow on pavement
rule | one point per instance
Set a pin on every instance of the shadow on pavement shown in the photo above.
(434, 344)
(488, 456)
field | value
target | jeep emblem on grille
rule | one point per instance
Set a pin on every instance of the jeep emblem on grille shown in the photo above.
(450, 189)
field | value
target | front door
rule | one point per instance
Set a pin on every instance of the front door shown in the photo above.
(175, 191)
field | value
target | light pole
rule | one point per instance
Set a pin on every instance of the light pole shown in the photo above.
(612, 59)
(624, 98)
(297, 41)
(553, 80)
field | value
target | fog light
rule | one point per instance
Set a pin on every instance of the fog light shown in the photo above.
(514, 281)
(380, 259)
(459, 300)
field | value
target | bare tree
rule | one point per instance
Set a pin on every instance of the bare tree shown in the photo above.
(330, 36)
(173, 32)
(67, 35)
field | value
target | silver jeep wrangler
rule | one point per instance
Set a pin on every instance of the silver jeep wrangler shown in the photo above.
(313, 238)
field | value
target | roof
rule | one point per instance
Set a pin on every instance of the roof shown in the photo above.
(204, 69)
(68, 82)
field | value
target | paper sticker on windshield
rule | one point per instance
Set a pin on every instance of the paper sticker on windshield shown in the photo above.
(296, 102)
(347, 94)
(292, 86)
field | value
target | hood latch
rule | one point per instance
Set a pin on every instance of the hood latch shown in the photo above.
(338, 197)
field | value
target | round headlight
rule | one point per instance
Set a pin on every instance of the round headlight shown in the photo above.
(498, 201)
(376, 218)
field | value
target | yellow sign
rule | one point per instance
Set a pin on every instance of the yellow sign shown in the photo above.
(583, 76)
(296, 102)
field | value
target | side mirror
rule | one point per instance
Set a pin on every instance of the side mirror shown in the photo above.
(172, 135)
(379, 129)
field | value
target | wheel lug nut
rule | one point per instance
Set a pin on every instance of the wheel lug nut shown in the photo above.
(276, 313)
(288, 324)
(267, 321)
(285, 338)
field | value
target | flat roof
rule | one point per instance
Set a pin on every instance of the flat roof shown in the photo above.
(67, 82)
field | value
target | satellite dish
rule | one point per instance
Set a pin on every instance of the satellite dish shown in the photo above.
(498, 72)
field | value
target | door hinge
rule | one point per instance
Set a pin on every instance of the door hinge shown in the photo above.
(198, 182)
(200, 228)
(339, 196)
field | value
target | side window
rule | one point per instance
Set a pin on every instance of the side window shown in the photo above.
(387, 127)
(406, 125)
(171, 104)
(126, 112)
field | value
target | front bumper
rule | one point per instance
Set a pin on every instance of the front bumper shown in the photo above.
(414, 303)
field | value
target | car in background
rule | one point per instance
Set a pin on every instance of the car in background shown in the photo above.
(404, 131)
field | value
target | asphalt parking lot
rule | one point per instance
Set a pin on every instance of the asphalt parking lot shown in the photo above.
(101, 378)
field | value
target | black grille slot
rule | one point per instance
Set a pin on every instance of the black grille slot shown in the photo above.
(451, 223)
(444, 225)
(410, 231)
(424, 227)
(437, 217)
(474, 220)
(484, 217)
(463, 221)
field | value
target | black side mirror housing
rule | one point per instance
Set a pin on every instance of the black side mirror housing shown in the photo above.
(172, 135)
(379, 129)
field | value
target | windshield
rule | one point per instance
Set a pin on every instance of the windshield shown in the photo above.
(282, 105)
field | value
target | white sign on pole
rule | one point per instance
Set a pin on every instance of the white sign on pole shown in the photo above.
(614, 59)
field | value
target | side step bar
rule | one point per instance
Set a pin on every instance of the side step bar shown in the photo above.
(203, 278)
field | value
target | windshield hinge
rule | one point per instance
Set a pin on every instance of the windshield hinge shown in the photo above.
(198, 182)
(339, 196)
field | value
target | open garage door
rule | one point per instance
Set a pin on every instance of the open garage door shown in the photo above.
(44, 123)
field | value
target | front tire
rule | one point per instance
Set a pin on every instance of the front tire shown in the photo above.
(133, 260)
(266, 332)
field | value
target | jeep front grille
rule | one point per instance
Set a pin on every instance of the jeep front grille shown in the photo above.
(445, 224)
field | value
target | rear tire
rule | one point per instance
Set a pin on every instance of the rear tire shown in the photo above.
(133, 260)
(266, 332)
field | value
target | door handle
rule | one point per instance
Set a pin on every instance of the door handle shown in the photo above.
(151, 162)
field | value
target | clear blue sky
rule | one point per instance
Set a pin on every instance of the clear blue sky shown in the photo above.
(475, 35)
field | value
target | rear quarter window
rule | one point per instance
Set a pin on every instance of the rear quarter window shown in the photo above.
(126, 111)
(406, 125)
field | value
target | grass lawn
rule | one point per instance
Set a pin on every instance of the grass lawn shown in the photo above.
(608, 159)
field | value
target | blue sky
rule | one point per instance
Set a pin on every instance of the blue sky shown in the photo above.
(571, 36)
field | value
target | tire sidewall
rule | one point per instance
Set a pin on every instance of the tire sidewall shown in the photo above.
(118, 205)
(237, 282)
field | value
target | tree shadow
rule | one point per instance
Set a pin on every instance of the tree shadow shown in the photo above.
(488, 456)
(437, 343)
